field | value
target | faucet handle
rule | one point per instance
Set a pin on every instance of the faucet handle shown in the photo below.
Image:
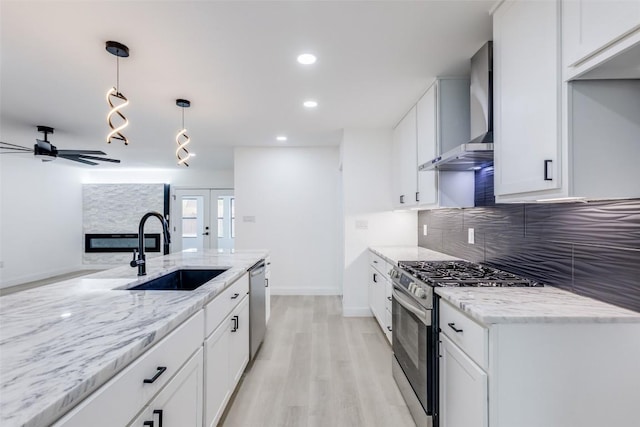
(134, 261)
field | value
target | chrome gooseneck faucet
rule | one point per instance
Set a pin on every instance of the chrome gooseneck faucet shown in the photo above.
(140, 261)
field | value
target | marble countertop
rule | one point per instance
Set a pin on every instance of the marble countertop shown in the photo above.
(393, 254)
(533, 305)
(59, 343)
(514, 305)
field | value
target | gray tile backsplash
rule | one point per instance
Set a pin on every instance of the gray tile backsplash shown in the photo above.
(589, 248)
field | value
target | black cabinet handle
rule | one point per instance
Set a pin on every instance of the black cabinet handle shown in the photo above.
(161, 370)
(546, 170)
(375, 278)
(402, 199)
(148, 423)
(235, 296)
(236, 323)
(266, 282)
(390, 299)
(389, 328)
(417, 196)
(158, 412)
(453, 326)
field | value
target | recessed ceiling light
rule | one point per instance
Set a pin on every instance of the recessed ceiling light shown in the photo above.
(281, 138)
(307, 59)
(310, 104)
(193, 154)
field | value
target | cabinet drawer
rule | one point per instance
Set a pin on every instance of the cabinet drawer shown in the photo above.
(470, 336)
(221, 305)
(127, 393)
(380, 264)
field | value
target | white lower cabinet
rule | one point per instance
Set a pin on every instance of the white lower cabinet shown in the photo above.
(226, 356)
(179, 404)
(380, 293)
(537, 373)
(216, 374)
(118, 401)
(463, 388)
(239, 341)
(178, 383)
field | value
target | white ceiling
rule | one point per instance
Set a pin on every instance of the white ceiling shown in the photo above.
(235, 61)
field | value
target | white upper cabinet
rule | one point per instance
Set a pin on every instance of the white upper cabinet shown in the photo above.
(590, 27)
(527, 97)
(405, 161)
(427, 139)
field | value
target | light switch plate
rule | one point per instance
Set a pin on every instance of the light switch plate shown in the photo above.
(472, 237)
(424, 230)
(362, 224)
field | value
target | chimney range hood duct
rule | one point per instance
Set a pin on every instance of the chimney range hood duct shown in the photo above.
(477, 153)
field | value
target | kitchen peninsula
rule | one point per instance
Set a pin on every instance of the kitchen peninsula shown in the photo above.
(62, 342)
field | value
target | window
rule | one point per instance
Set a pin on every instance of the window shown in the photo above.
(220, 217)
(233, 217)
(189, 217)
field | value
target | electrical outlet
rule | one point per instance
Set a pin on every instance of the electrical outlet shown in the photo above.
(472, 237)
(424, 230)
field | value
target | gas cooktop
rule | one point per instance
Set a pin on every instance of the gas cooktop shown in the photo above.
(462, 274)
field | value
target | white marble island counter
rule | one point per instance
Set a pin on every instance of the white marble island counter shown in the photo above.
(60, 342)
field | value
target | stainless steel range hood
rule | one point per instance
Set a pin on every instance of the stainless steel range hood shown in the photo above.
(477, 153)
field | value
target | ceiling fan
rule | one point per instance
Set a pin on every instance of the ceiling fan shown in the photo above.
(44, 150)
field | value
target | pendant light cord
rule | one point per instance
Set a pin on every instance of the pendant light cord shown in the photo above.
(182, 117)
(117, 74)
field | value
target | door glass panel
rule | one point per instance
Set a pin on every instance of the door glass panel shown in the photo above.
(192, 222)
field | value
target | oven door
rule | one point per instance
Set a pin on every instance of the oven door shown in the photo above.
(413, 345)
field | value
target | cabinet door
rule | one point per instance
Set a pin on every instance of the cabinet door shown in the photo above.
(239, 341)
(396, 167)
(590, 25)
(405, 143)
(216, 374)
(426, 120)
(372, 290)
(179, 403)
(527, 96)
(463, 389)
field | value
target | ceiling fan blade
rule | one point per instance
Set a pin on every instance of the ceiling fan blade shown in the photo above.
(81, 152)
(8, 146)
(79, 160)
(102, 159)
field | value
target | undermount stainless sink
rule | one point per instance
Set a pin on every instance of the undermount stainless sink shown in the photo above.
(179, 280)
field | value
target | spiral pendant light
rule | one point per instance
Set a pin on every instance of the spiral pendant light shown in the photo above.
(182, 139)
(116, 100)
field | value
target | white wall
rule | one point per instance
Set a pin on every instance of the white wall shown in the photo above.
(176, 177)
(40, 220)
(367, 200)
(292, 194)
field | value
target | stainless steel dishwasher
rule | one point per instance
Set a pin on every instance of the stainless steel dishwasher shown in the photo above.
(257, 319)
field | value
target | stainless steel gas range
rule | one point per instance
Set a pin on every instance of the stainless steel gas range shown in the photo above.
(415, 325)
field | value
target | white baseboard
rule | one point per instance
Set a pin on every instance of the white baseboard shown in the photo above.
(356, 312)
(27, 278)
(305, 291)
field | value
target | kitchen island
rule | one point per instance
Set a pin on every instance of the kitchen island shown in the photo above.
(61, 342)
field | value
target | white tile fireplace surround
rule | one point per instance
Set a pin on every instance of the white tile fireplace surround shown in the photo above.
(117, 208)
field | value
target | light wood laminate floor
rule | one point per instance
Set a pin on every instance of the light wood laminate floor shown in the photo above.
(319, 369)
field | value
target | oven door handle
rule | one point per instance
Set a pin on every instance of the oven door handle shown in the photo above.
(406, 303)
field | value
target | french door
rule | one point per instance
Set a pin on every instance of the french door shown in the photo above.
(202, 218)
